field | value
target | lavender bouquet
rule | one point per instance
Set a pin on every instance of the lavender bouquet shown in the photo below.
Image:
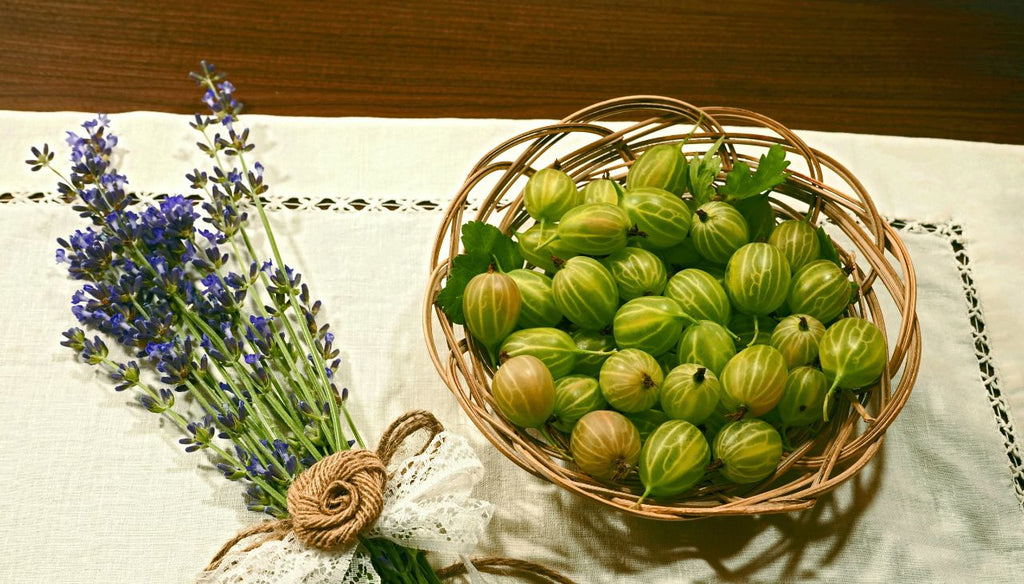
(218, 338)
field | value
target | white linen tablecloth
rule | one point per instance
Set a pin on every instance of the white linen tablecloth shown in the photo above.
(95, 490)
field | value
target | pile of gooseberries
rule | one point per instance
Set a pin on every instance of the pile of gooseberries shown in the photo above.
(657, 336)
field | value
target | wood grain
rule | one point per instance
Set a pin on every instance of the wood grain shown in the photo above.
(940, 68)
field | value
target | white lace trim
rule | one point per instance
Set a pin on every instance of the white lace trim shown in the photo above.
(288, 561)
(427, 503)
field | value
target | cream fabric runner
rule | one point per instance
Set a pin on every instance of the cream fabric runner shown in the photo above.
(92, 490)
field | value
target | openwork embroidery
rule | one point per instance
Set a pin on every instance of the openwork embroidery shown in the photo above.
(275, 203)
(953, 233)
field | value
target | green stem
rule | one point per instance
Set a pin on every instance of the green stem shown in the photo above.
(547, 241)
(279, 497)
(642, 497)
(735, 337)
(427, 571)
(330, 431)
(828, 398)
(757, 331)
(318, 367)
(319, 363)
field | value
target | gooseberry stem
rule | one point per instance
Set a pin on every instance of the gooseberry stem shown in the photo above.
(545, 242)
(551, 441)
(734, 336)
(757, 331)
(639, 501)
(828, 397)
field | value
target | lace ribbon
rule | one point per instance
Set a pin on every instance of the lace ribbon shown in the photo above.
(422, 502)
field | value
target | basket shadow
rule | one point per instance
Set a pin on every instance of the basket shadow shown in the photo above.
(782, 547)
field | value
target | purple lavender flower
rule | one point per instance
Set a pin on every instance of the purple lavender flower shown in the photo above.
(238, 334)
(201, 434)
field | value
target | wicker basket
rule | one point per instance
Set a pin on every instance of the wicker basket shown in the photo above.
(588, 145)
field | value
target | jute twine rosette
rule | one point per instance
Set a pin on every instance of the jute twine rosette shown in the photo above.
(590, 144)
(334, 500)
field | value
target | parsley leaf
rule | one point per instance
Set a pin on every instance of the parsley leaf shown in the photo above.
(702, 173)
(483, 244)
(827, 248)
(479, 238)
(740, 183)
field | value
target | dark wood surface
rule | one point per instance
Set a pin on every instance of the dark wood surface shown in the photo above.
(940, 68)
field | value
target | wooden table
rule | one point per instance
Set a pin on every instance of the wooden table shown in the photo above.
(940, 69)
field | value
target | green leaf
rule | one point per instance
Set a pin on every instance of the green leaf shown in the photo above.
(740, 183)
(483, 245)
(487, 240)
(702, 172)
(827, 248)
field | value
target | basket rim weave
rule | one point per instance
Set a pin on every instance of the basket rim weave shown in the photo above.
(879, 258)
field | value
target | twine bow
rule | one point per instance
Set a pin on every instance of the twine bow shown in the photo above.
(342, 495)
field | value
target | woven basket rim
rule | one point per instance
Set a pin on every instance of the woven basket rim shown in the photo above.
(881, 261)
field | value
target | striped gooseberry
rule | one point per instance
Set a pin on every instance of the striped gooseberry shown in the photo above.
(757, 279)
(554, 347)
(595, 346)
(797, 337)
(798, 241)
(524, 391)
(690, 392)
(718, 230)
(549, 193)
(658, 216)
(575, 396)
(652, 324)
(853, 354)
(674, 458)
(585, 293)
(637, 272)
(631, 380)
(538, 307)
(803, 398)
(602, 190)
(595, 229)
(819, 289)
(662, 166)
(491, 303)
(753, 381)
(747, 450)
(605, 445)
(540, 247)
(706, 343)
(700, 296)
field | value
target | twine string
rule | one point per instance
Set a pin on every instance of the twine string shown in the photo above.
(503, 566)
(333, 501)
